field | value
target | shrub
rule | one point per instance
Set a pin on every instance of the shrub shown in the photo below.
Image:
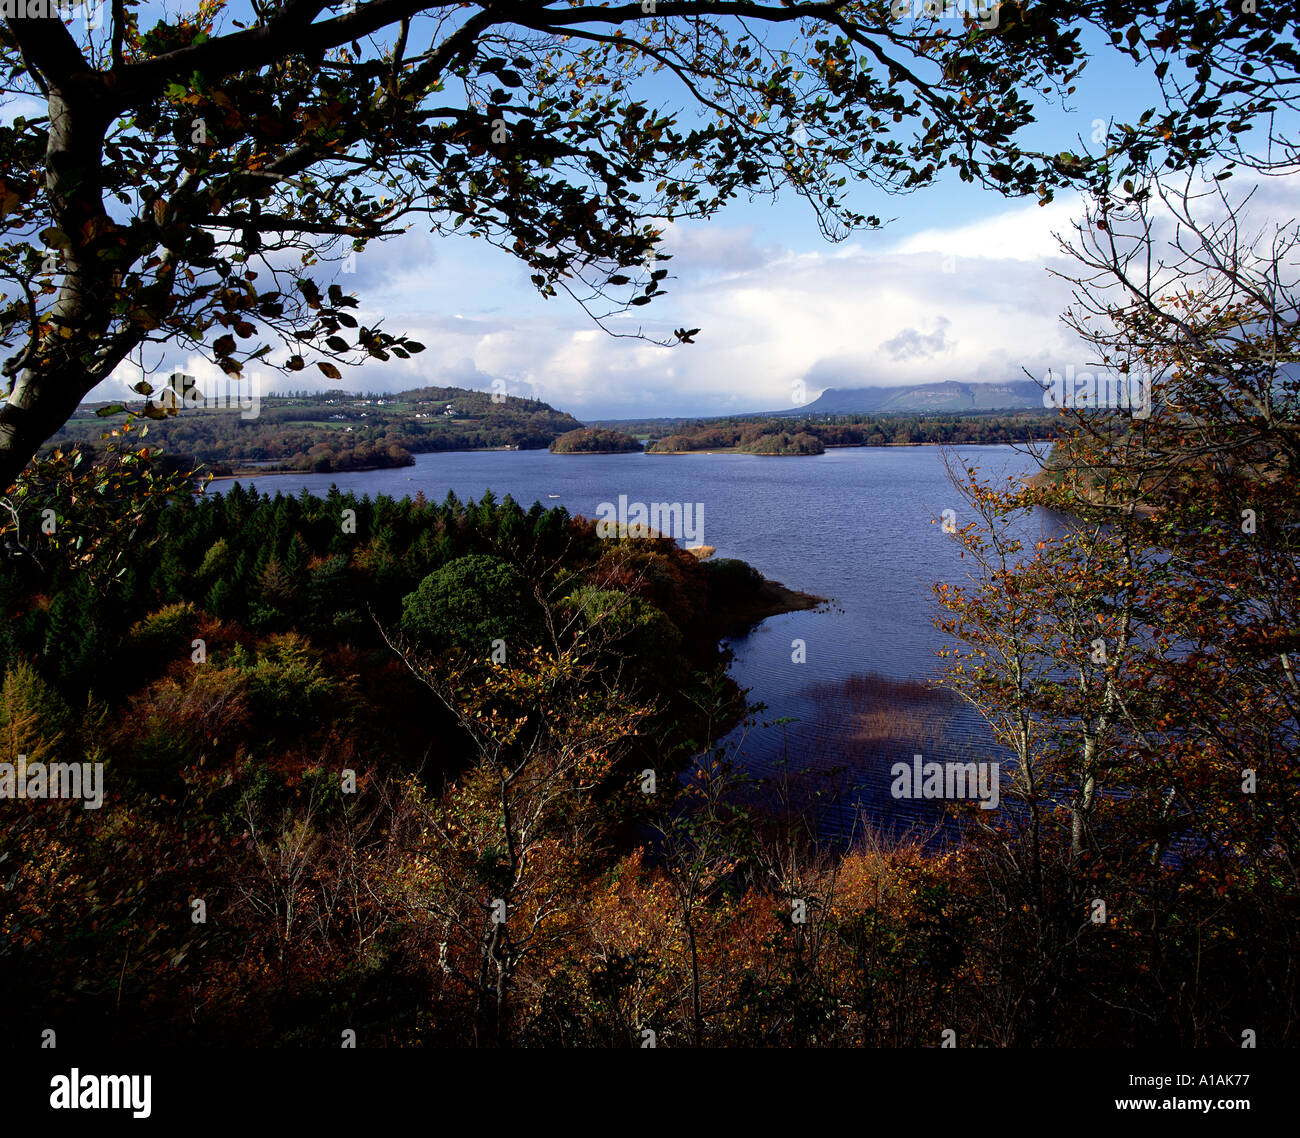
(731, 580)
(469, 603)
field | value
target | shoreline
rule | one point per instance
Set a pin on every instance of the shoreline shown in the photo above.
(841, 446)
(733, 450)
(771, 599)
(238, 474)
(255, 473)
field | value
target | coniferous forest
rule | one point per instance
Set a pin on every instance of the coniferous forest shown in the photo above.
(343, 724)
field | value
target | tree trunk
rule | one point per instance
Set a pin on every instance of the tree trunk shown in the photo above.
(72, 351)
(39, 404)
(697, 1018)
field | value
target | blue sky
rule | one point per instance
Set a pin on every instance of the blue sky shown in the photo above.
(956, 286)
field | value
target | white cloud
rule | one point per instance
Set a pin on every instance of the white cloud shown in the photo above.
(967, 302)
(1021, 234)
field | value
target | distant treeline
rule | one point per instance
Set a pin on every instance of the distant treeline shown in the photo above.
(781, 436)
(336, 431)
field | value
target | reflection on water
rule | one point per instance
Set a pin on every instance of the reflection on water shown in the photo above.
(834, 763)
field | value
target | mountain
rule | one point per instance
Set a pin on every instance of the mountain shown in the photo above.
(947, 396)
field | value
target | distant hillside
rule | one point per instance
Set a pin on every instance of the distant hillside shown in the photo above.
(949, 397)
(946, 396)
(337, 430)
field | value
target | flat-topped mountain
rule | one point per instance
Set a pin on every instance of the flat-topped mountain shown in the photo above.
(946, 396)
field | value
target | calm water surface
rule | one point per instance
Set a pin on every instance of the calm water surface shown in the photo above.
(853, 525)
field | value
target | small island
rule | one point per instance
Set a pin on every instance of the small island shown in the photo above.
(594, 440)
(725, 440)
(784, 443)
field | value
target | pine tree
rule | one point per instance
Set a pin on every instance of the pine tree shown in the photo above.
(33, 719)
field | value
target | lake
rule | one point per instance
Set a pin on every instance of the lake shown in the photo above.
(853, 525)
